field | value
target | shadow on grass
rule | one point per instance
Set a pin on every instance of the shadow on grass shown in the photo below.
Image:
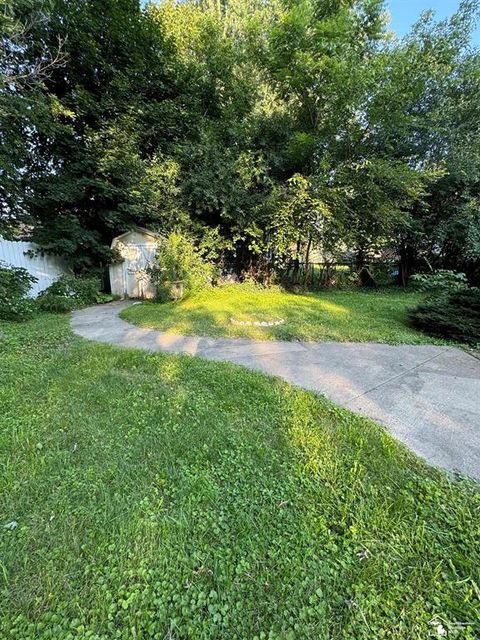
(339, 316)
(203, 500)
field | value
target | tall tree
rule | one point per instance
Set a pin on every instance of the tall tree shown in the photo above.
(86, 153)
(233, 116)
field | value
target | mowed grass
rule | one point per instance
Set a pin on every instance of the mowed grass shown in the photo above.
(357, 315)
(170, 497)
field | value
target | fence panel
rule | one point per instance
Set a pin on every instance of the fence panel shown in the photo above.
(46, 268)
(317, 275)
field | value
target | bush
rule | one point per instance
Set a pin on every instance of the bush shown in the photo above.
(103, 298)
(69, 292)
(343, 279)
(15, 283)
(53, 303)
(383, 273)
(181, 270)
(441, 281)
(455, 316)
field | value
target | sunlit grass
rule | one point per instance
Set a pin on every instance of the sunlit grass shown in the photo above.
(357, 315)
(160, 496)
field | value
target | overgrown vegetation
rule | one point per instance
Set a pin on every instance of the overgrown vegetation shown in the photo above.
(440, 282)
(180, 269)
(451, 309)
(355, 315)
(455, 316)
(161, 496)
(65, 294)
(69, 292)
(15, 283)
(282, 127)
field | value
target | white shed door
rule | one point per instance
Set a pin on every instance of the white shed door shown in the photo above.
(138, 257)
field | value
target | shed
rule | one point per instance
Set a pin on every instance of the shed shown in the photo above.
(129, 277)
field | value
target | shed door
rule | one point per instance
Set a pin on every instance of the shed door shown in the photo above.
(138, 257)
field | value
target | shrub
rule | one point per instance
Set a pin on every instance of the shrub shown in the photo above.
(441, 281)
(69, 292)
(103, 298)
(55, 303)
(383, 273)
(181, 270)
(343, 279)
(15, 283)
(455, 316)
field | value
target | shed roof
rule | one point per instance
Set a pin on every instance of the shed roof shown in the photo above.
(142, 230)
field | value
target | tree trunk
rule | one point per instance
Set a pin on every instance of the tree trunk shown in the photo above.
(407, 262)
(296, 264)
(307, 260)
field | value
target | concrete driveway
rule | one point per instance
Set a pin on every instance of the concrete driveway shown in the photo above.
(428, 397)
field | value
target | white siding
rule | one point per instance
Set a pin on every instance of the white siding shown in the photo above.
(46, 268)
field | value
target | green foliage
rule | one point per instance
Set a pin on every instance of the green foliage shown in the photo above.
(77, 143)
(455, 316)
(342, 278)
(382, 273)
(15, 283)
(55, 303)
(299, 218)
(168, 496)
(180, 269)
(440, 281)
(286, 126)
(213, 245)
(104, 298)
(70, 292)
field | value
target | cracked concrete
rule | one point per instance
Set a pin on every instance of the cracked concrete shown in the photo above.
(427, 396)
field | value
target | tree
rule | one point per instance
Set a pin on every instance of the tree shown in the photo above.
(298, 222)
(24, 64)
(85, 161)
(247, 118)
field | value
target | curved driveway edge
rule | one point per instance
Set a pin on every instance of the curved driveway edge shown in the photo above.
(427, 396)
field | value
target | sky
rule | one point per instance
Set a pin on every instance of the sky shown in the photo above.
(405, 12)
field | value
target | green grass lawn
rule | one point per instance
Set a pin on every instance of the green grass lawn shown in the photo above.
(359, 316)
(162, 496)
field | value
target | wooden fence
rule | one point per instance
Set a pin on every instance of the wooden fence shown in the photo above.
(316, 275)
(324, 274)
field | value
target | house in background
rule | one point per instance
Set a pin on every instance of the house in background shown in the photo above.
(129, 276)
